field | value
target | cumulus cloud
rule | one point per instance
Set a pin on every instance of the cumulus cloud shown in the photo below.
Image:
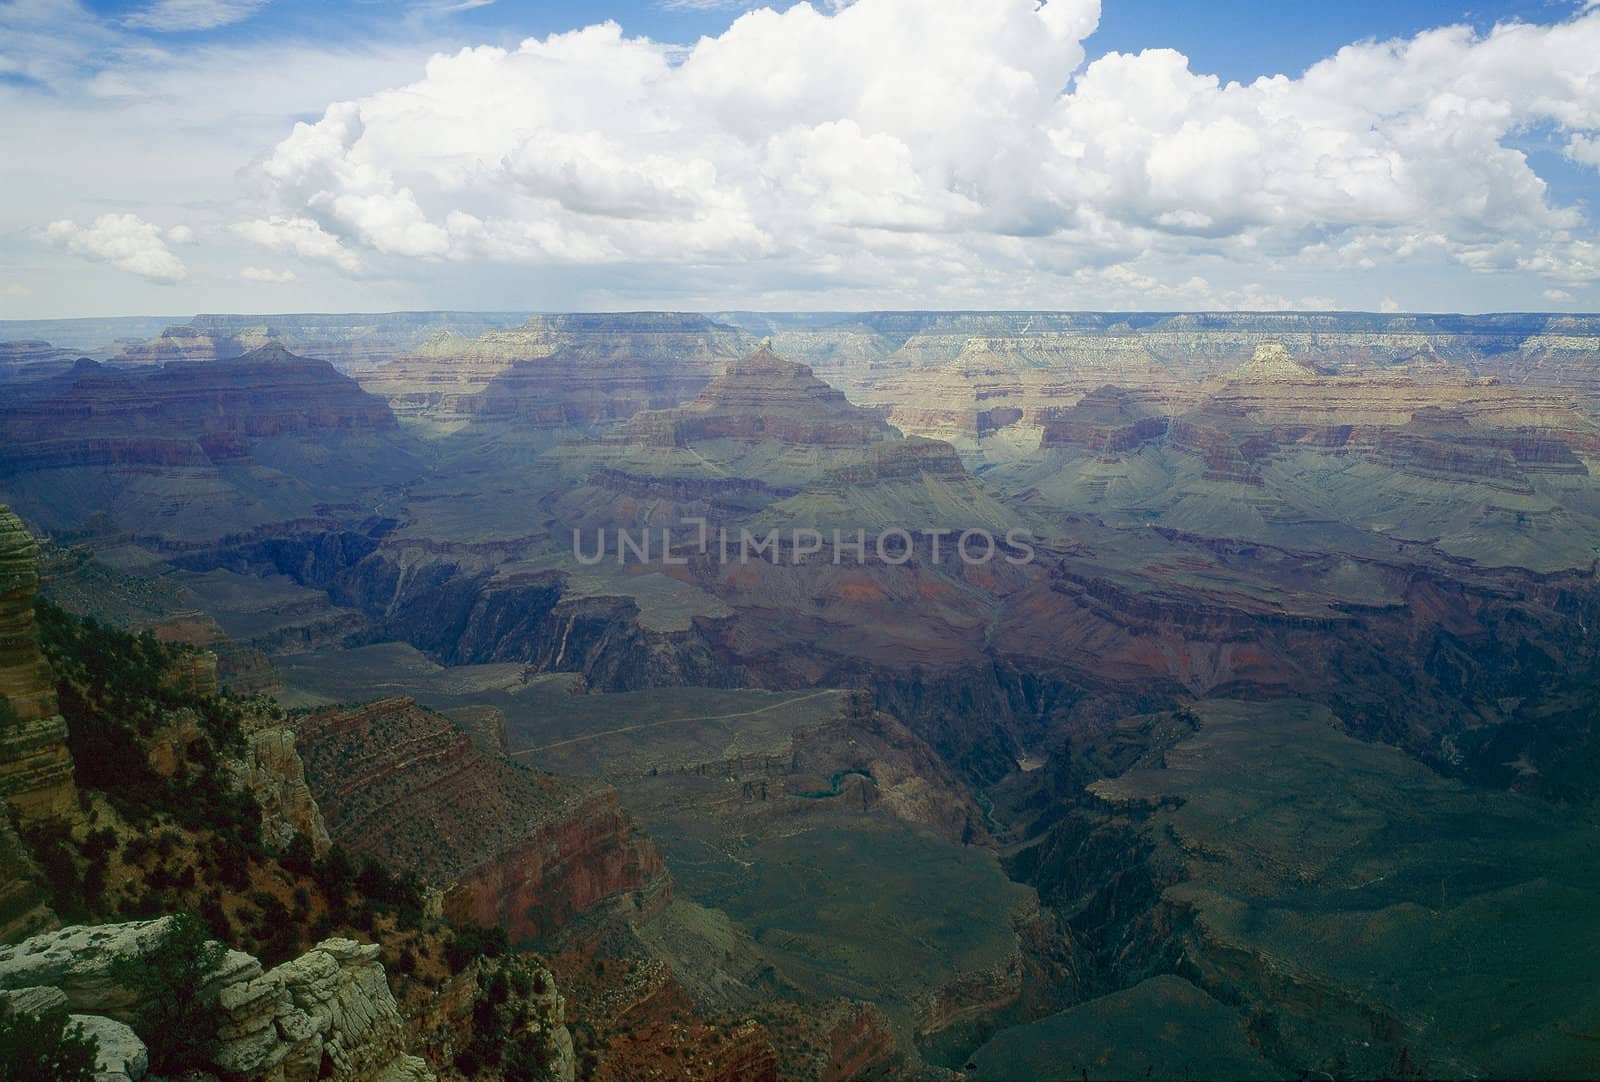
(268, 276)
(176, 15)
(125, 241)
(1584, 149)
(301, 237)
(913, 140)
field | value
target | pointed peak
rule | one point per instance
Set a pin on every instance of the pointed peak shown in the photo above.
(764, 360)
(272, 352)
(1273, 362)
(764, 354)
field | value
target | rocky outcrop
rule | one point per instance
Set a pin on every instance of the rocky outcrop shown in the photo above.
(763, 397)
(506, 845)
(120, 1056)
(35, 765)
(1272, 362)
(79, 961)
(275, 775)
(443, 1024)
(326, 1014)
(1109, 421)
(186, 342)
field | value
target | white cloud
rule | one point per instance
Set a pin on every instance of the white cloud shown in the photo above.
(268, 276)
(716, 5)
(181, 234)
(1389, 304)
(904, 141)
(1559, 296)
(125, 241)
(176, 15)
(1584, 149)
(302, 237)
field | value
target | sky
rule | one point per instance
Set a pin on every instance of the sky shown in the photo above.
(183, 156)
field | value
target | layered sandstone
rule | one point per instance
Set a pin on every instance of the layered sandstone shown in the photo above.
(558, 370)
(348, 341)
(35, 765)
(507, 845)
(185, 342)
(194, 449)
(762, 397)
(263, 393)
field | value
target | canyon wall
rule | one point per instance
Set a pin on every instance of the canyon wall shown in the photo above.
(35, 765)
(506, 845)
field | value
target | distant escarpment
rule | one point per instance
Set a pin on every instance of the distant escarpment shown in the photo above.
(1239, 425)
(348, 342)
(557, 370)
(506, 845)
(35, 765)
(196, 449)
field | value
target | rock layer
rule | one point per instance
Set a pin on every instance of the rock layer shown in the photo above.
(506, 845)
(35, 765)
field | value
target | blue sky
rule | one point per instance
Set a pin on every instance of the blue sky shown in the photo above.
(1231, 39)
(874, 153)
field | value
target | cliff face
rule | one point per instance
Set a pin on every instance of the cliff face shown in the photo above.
(266, 392)
(185, 451)
(348, 341)
(35, 765)
(275, 774)
(557, 370)
(508, 846)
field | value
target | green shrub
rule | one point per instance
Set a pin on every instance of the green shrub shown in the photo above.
(44, 1046)
(473, 941)
(177, 1018)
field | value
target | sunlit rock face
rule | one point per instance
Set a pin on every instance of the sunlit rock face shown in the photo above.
(35, 765)
(557, 371)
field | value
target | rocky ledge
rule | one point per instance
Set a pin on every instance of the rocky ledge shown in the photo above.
(327, 1014)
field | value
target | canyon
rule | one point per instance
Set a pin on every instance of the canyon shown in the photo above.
(1014, 805)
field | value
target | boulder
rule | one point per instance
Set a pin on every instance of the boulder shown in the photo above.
(120, 1055)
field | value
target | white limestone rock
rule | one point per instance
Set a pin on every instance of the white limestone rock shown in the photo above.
(78, 961)
(120, 1056)
(328, 1014)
